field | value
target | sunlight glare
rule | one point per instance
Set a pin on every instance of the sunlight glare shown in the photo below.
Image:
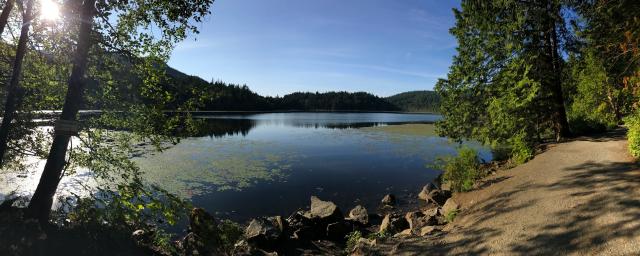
(49, 10)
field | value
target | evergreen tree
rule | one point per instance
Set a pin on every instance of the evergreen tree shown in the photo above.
(505, 86)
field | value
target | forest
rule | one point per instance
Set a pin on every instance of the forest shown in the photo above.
(221, 96)
(528, 72)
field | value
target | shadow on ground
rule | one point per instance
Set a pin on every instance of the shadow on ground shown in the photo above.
(611, 212)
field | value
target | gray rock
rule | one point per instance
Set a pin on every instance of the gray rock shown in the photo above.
(439, 197)
(364, 247)
(324, 209)
(417, 220)
(264, 231)
(243, 248)
(424, 193)
(449, 206)
(359, 214)
(389, 200)
(432, 212)
(427, 230)
(393, 224)
(403, 233)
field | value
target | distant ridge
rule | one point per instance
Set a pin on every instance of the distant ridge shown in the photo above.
(416, 101)
(221, 96)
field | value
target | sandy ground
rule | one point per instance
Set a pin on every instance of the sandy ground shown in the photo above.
(580, 197)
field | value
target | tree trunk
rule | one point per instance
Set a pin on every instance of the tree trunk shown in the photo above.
(14, 95)
(4, 17)
(559, 115)
(42, 200)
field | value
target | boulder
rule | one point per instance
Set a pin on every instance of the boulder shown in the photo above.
(205, 228)
(393, 224)
(192, 244)
(424, 193)
(324, 210)
(389, 200)
(300, 226)
(359, 214)
(438, 196)
(417, 220)
(265, 232)
(431, 212)
(338, 231)
(403, 233)
(364, 247)
(449, 206)
(243, 248)
(427, 230)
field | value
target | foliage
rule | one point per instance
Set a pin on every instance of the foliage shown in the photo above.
(451, 216)
(504, 79)
(461, 171)
(633, 135)
(521, 149)
(230, 234)
(416, 101)
(595, 104)
(379, 235)
(352, 241)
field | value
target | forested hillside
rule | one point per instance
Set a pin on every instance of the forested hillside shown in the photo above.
(416, 101)
(220, 96)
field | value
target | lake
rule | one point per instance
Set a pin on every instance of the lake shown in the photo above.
(249, 165)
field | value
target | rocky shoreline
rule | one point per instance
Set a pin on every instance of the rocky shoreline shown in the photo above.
(324, 229)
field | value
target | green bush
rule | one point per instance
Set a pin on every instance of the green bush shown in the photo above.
(633, 135)
(230, 233)
(461, 171)
(451, 216)
(352, 241)
(521, 149)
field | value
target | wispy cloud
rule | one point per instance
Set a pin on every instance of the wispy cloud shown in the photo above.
(386, 69)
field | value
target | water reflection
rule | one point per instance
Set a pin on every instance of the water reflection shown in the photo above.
(264, 164)
(217, 126)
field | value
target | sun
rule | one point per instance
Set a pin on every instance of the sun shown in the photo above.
(49, 10)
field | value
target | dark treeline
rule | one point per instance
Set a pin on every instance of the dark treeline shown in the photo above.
(221, 96)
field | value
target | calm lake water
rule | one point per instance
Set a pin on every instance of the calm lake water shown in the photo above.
(270, 164)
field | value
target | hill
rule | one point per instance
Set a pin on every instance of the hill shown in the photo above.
(416, 101)
(220, 96)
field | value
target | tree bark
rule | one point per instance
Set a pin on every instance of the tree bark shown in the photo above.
(4, 17)
(14, 94)
(42, 200)
(559, 115)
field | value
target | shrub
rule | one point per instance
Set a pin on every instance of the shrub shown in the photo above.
(461, 171)
(633, 134)
(230, 233)
(521, 149)
(352, 241)
(451, 216)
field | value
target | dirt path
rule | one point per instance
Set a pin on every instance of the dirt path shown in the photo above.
(577, 198)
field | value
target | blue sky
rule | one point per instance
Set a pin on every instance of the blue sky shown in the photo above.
(281, 46)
